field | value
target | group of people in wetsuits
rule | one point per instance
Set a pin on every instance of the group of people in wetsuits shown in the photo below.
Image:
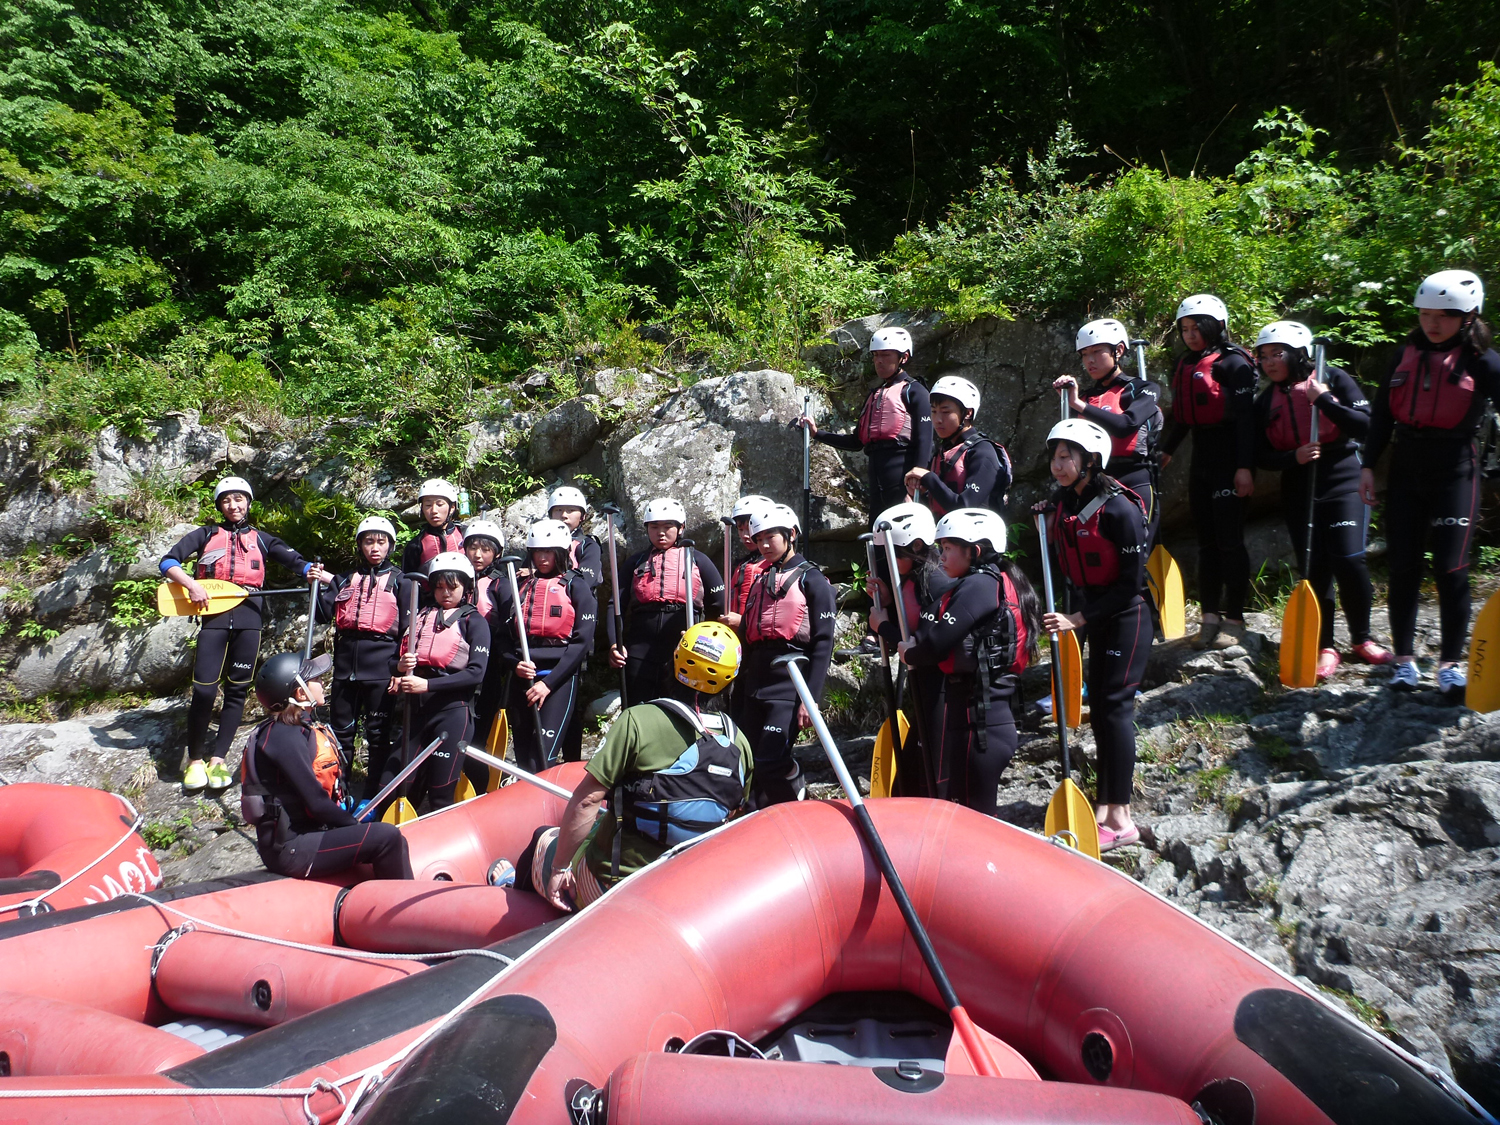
(938, 486)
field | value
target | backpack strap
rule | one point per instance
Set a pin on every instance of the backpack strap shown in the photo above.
(683, 711)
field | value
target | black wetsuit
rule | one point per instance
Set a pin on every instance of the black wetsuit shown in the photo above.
(591, 565)
(925, 584)
(983, 474)
(1119, 631)
(1432, 499)
(318, 836)
(891, 458)
(769, 700)
(1220, 449)
(653, 628)
(228, 643)
(1138, 419)
(559, 660)
(363, 663)
(1340, 517)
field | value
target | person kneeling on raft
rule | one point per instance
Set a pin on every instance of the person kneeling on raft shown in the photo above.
(292, 784)
(671, 771)
(981, 634)
(1098, 531)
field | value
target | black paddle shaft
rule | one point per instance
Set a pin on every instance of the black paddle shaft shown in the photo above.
(415, 581)
(806, 470)
(892, 708)
(1059, 708)
(1320, 369)
(930, 748)
(509, 562)
(610, 511)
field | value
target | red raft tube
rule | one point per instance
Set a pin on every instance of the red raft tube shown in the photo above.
(776, 936)
(64, 846)
(87, 991)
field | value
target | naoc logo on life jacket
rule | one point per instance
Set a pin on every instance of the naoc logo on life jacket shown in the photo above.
(769, 729)
(1345, 523)
(1224, 494)
(1450, 521)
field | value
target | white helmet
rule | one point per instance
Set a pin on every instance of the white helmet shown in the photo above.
(1292, 333)
(436, 486)
(665, 508)
(960, 390)
(566, 496)
(891, 340)
(375, 523)
(774, 516)
(974, 525)
(1458, 290)
(455, 561)
(233, 484)
(484, 529)
(746, 506)
(909, 522)
(1089, 436)
(1106, 331)
(1203, 304)
(548, 533)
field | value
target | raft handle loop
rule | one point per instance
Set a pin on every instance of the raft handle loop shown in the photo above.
(159, 950)
(1064, 838)
(34, 906)
(321, 1085)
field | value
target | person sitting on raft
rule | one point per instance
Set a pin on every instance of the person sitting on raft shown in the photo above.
(671, 771)
(292, 784)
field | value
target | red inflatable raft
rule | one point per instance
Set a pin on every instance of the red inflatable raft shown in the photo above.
(778, 931)
(64, 845)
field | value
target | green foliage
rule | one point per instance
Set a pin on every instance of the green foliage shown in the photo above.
(322, 526)
(162, 834)
(133, 603)
(34, 630)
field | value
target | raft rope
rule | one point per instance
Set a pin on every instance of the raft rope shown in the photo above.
(29, 907)
(319, 1086)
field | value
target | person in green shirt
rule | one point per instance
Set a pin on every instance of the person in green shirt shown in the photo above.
(670, 771)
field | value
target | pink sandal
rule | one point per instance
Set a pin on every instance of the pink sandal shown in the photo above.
(1328, 663)
(1110, 839)
(1372, 653)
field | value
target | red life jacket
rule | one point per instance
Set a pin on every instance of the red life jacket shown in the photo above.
(233, 556)
(547, 604)
(1003, 645)
(744, 578)
(952, 468)
(440, 642)
(1086, 556)
(1427, 390)
(435, 542)
(885, 417)
(1291, 418)
(484, 601)
(910, 602)
(659, 578)
(1109, 399)
(367, 604)
(776, 609)
(1198, 398)
(257, 803)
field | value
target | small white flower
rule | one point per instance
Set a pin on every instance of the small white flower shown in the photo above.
(1441, 212)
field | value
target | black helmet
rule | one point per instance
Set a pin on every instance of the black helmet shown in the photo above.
(276, 682)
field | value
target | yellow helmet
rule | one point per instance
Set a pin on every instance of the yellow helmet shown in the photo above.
(707, 658)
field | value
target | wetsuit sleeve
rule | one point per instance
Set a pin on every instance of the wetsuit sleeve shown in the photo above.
(1346, 404)
(1268, 456)
(713, 584)
(919, 405)
(1142, 409)
(1175, 434)
(848, 442)
(327, 597)
(977, 598)
(1382, 421)
(581, 643)
(189, 546)
(591, 562)
(822, 611)
(277, 551)
(627, 587)
(1120, 522)
(411, 556)
(286, 747)
(1238, 378)
(1485, 368)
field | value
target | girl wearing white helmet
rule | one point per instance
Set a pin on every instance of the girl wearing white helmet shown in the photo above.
(586, 556)
(1128, 407)
(1213, 398)
(790, 608)
(1283, 411)
(895, 426)
(1429, 408)
(559, 613)
(969, 469)
(229, 642)
(439, 500)
(367, 607)
(654, 609)
(1098, 534)
(441, 672)
(979, 635)
(743, 576)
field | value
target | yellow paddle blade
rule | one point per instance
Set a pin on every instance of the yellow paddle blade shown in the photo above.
(496, 777)
(1072, 677)
(1483, 693)
(883, 762)
(494, 746)
(1300, 626)
(1165, 578)
(172, 600)
(464, 790)
(1069, 812)
(399, 813)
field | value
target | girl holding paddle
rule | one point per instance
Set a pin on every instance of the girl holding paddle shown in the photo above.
(980, 635)
(1327, 462)
(229, 642)
(1429, 407)
(1098, 530)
